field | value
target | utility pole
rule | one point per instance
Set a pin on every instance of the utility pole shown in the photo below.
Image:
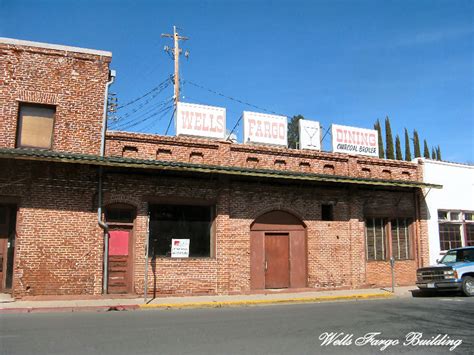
(175, 53)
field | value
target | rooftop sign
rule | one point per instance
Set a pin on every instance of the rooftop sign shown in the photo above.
(200, 120)
(310, 134)
(266, 129)
(353, 140)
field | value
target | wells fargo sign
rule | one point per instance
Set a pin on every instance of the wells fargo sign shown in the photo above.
(266, 129)
(200, 120)
(352, 140)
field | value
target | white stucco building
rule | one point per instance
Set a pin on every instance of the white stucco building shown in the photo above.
(451, 209)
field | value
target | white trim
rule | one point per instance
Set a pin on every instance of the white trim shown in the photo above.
(19, 42)
(442, 162)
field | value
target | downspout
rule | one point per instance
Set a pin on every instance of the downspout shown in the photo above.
(101, 222)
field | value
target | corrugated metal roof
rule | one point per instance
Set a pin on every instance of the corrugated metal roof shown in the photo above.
(43, 155)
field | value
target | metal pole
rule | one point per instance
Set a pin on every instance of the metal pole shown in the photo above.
(147, 244)
(392, 266)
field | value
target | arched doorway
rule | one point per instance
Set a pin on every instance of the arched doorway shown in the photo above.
(277, 251)
(120, 218)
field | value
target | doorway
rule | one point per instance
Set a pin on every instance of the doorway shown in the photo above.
(277, 260)
(7, 246)
(120, 218)
(278, 256)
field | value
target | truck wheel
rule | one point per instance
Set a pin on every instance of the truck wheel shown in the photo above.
(468, 286)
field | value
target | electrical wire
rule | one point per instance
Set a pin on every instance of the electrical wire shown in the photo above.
(171, 119)
(232, 98)
(136, 123)
(158, 87)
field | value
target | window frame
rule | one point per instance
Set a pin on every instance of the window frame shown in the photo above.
(189, 202)
(461, 222)
(388, 238)
(19, 124)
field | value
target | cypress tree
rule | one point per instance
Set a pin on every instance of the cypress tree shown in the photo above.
(293, 132)
(389, 139)
(426, 150)
(398, 148)
(416, 144)
(407, 146)
(438, 153)
(379, 133)
(433, 153)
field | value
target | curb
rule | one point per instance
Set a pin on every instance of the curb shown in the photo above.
(219, 304)
(69, 309)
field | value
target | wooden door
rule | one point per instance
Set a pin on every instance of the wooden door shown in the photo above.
(277, 260)
(120, 262)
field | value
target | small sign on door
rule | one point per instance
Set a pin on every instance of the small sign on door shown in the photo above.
(180, 248)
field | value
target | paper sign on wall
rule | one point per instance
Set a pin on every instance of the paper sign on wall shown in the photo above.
(353, 140)
(310, 134)
(266, 129)
(180, 248)
(200, 120)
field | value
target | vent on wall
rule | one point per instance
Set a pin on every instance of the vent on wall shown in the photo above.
(387, 174)
(328, 169)
(129, 152)
(252, 162)
(305, 166)
(280, 163)
(162, 154)
(406, 174)
(196, 157)
(365, 172)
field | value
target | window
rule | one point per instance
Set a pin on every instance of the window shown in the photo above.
(401, 243)
(470, 235)
(35, 126)
(380, 233)
(456, 229)
(327, 213)
(169, 222)
(375, 239)
(449, 236)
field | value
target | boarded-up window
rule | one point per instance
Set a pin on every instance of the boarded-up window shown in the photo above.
(35, 126)
(376, 248)
(401, 239)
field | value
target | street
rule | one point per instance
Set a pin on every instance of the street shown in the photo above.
(276, 329)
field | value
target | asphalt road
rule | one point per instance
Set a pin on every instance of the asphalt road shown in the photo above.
(277, 329)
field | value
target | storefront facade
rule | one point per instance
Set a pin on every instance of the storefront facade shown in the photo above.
(255, 217)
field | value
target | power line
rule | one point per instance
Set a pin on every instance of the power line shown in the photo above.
(158, 87)
(136, 123)
(233, 98)
(125, 121)
(171, 119)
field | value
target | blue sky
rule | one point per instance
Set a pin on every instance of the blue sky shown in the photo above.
(344, 62)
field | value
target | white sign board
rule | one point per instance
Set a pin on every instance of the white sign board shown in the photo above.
(353, 140)
(310, 134)
(180, 248)
(266, 129)
(200, 120)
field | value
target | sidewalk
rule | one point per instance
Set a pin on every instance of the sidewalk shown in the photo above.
(122, 304)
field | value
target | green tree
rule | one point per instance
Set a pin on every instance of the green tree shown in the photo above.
(293, 131)
(407, 146)
(398, 148)
(438, 153)
(416, 144)
(426, 150)
(433, 153)
(389, 140)
(378, 128)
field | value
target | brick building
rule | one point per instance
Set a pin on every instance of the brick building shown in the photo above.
(75, 202)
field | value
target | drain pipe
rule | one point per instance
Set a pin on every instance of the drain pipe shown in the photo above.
(102, 223)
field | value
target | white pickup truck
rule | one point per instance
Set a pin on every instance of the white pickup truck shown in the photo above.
(455, 271)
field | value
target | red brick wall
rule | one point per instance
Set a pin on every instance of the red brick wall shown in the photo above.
(146, 146)
(59, 244)
(73, 82)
